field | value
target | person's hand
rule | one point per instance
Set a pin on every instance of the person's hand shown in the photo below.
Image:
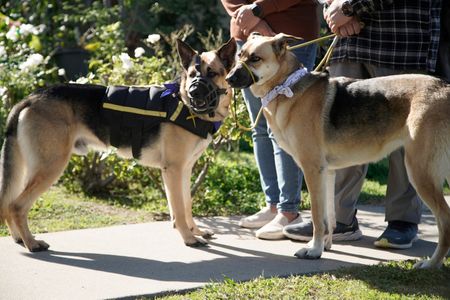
(245, 19)
(352, 27)
(263, 28)
(334, 16)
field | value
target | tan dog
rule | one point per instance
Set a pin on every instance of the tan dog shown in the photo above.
(45, 129)
(331, 123)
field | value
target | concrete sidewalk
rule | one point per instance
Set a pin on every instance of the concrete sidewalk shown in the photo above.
(149, 259)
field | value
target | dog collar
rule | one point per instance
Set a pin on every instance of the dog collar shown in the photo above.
(285, 87)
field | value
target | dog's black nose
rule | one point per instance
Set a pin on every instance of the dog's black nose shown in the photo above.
(231, 79)
(195, 93)
(198, 90)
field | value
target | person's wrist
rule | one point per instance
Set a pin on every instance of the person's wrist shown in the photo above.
(256, 10)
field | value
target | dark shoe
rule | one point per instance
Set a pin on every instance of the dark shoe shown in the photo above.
(398, 235)
(304, 231)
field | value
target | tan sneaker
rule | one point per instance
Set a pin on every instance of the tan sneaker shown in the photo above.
(274, 229)
(259, 219)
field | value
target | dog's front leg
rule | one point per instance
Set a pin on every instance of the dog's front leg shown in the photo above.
(207, 234)
(315, 178)
(173, 183)
(331, 214)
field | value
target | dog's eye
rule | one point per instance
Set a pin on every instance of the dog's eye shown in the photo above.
(211, 74)
(192, 74)
(254, 58)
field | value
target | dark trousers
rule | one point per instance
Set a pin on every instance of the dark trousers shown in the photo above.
(402, 201)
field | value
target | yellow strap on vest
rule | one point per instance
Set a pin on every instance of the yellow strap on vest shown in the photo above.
(133, 110)
(177, 111)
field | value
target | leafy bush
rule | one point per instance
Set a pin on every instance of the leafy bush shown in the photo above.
(23, 65)
(106, 30)
(232, 186)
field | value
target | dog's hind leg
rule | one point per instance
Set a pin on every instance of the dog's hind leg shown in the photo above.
(12, 181)
(39, 182)
(441, 212)
(46, 144)
(425, 176)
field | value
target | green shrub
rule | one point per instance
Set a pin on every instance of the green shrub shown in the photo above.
(23, 65)
(231, 187)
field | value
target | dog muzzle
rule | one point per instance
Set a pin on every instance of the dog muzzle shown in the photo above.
(203, 93)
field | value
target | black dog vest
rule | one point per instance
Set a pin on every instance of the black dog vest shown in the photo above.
(133, 113)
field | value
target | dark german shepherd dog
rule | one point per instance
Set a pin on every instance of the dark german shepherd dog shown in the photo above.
(44, 130)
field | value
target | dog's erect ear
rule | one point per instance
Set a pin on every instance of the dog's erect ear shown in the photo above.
(280, 42)
(186, 53)
(227, 54)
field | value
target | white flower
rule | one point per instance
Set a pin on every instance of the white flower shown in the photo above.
(2, 51)
(127, 64)
(3, 91)
(12, 34)
(82, 80)
(26, 29)
(41, 28)
(138, 52)
(32, 61)
(61, 72)
(153, 38)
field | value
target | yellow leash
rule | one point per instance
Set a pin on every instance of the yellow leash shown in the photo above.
(323, 38)
(323, 63)
(326, 58)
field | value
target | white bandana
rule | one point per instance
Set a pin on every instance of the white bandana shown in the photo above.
(285, 87)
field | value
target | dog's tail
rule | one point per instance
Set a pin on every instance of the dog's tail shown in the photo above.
(12, 168)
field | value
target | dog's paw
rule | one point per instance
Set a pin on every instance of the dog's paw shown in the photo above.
(328, 242)
(308, 253)
(38, 246)
(18, 241)
(426, 264)
(204, 233)
(198, 242)
(208, 235)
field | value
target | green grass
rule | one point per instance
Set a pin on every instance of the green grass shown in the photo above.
(393, 280)
(57, 210)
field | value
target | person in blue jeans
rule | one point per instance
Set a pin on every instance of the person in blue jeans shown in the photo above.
(281, 178)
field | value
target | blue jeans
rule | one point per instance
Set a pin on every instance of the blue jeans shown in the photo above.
(281, 178)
